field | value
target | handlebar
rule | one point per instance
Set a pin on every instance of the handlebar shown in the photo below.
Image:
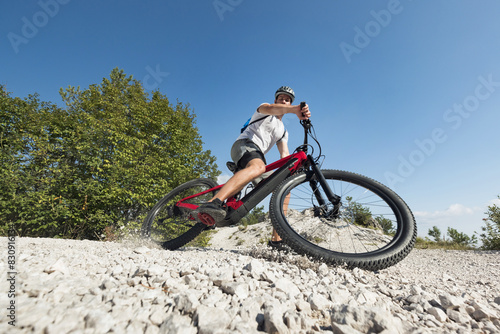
(308, 131)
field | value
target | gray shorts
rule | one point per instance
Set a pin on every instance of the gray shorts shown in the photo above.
(243, 151)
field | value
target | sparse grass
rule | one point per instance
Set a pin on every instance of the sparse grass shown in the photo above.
(203, 240)
(429, 244)
(318, 240)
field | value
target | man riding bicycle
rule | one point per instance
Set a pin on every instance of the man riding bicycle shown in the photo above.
(264, 131)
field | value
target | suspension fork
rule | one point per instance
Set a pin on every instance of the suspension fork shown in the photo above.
(330, 195)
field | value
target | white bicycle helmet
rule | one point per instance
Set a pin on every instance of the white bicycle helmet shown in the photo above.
(285, 90)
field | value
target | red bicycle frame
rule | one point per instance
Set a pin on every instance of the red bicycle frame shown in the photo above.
(239, 208)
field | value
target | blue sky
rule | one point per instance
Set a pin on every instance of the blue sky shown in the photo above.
(406, 92)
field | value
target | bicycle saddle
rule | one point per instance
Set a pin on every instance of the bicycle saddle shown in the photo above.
(232, 166)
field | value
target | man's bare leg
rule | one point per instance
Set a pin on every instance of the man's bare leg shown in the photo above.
(254, 168)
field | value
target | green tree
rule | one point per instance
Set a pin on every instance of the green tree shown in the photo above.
(461, 238)
(386, 224)
(362, 215)
(491, 236)
(435, 233)
(103, 161)
(25, 165)
(257, 215)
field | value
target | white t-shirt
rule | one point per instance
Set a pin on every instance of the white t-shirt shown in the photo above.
(265, 133)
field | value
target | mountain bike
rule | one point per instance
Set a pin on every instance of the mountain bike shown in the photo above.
(335, 216)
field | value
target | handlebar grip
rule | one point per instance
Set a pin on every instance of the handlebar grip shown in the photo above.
(302, 105)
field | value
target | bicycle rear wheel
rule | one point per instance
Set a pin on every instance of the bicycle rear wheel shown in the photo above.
(372, 228)
(171, 226)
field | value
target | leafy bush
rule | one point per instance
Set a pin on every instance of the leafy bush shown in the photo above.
(456, 240)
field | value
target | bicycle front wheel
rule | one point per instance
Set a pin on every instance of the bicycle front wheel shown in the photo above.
(171, 226)
(371, 228)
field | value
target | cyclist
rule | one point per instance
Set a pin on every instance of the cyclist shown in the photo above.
(264, 130)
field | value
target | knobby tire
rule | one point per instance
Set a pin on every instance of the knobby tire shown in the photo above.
(372, 229)
(173, 228)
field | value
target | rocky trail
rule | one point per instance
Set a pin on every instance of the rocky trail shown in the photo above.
(238, 285)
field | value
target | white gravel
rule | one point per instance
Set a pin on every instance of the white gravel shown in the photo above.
(68, 286)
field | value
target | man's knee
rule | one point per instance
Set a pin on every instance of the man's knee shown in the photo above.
(256, 167)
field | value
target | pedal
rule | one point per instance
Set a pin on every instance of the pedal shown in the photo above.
(206, 219)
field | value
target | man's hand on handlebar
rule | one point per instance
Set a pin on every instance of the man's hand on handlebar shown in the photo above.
(303, 111)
